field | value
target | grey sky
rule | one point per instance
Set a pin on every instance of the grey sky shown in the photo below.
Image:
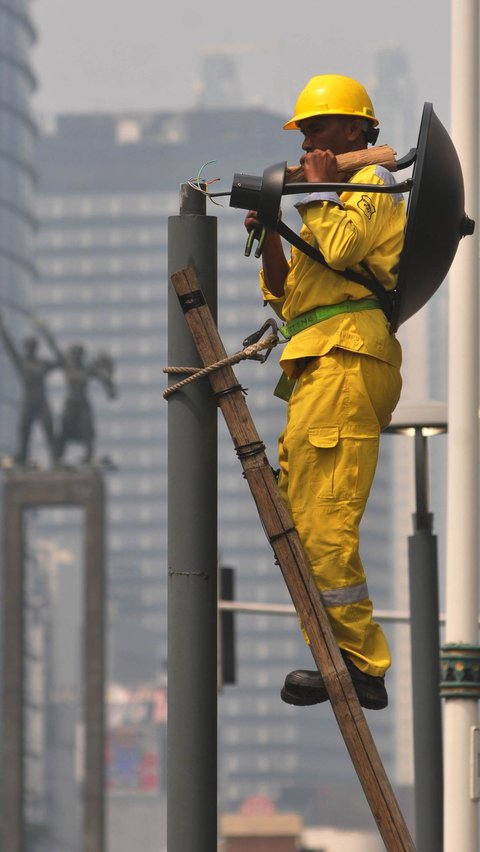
(119, 54)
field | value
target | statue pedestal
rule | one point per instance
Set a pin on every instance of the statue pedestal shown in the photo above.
(27, 489)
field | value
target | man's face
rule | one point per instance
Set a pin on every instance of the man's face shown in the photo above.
(334, 133)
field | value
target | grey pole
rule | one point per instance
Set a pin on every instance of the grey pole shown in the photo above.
(425, 643)
(94, 659)
(13, 698)
(192, 552)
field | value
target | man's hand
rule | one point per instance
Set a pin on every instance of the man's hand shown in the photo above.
(320, 167)
(252, 222)
(274, 263)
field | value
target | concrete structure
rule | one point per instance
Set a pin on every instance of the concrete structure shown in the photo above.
(261, 832)
(22, 491)
(330, 839)
(462, 640)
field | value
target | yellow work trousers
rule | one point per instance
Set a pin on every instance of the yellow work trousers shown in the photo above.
(328, 454)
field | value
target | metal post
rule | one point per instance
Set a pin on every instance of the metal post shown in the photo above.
(192, 553)
(13, 822)
(94, 828)
(425, 645)
(461, 817)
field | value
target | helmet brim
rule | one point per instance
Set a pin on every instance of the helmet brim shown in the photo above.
(293, 123)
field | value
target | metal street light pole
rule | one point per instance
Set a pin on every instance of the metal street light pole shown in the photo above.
(421, 420)
(192, 552)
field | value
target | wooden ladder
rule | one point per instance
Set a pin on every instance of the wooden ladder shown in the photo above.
(293, 563)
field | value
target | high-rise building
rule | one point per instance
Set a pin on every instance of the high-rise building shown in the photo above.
(17, 201)
(107, 186)
(18, 137)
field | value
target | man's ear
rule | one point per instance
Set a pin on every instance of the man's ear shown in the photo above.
(354, 129)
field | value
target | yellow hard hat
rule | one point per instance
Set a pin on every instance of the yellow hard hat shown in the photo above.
(332, 94)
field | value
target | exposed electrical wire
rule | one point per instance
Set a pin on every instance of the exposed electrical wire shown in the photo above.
(195, 183)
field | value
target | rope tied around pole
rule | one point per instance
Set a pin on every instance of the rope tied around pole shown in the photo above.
(200, 372)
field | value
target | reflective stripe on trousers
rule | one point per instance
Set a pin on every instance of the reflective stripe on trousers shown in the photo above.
(328, 455)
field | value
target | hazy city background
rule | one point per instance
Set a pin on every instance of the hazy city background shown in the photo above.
(147, 54)
(130, 101)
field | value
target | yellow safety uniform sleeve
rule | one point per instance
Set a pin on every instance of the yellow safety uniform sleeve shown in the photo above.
(268, 297)
(361, 227)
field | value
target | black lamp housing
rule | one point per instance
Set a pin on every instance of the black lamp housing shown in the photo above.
(436, 218)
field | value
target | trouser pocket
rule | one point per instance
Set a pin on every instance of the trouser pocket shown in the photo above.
(339, 462)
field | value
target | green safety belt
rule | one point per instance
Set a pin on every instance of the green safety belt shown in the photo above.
(285, 385)
(293, 326)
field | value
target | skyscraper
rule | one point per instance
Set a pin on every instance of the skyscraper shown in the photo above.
(17, 199)
(18, 135)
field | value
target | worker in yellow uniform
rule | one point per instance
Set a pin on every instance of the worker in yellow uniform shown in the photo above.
(346, 364)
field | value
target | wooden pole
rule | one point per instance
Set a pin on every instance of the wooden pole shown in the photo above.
(294, 566)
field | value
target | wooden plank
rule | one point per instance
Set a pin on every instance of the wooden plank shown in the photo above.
(291, 558)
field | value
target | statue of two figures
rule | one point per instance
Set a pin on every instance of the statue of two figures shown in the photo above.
(76, 420)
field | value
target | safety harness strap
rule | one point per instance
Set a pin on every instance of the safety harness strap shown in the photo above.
(384, 297)
(297, 324)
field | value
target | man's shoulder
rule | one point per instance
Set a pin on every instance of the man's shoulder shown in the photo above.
(374, 174)
(377, 175)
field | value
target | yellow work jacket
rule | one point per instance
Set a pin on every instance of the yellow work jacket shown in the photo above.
(363, 231)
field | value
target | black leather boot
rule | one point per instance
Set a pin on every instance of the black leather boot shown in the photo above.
(304, 688)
